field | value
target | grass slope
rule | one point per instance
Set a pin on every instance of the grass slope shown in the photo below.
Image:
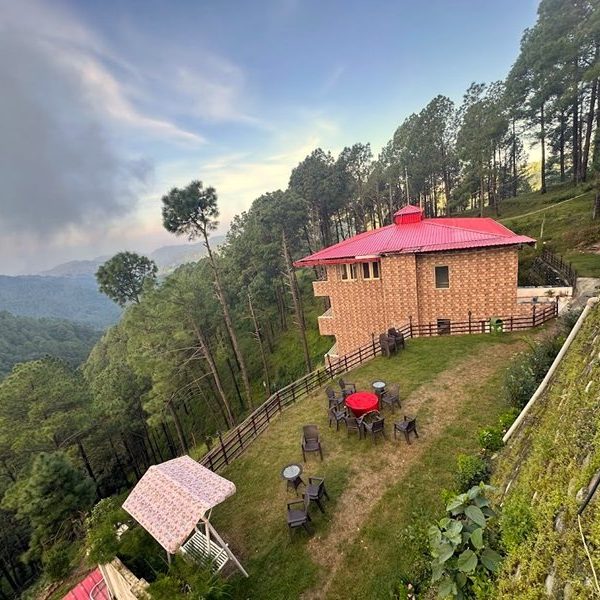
(393, 488)
(551, 459)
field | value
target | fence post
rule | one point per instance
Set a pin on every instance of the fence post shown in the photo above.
(430, 324)
(469, 321)
(240, 438)
(346, 362)
(223, 449)
(293, 393)
(210, 462)
(556, 307)
(482, 326)
(359, 355)
(533, 319)
(329, 365)
(410, 325)
(279, 402)
(254, 425)
(373, 342)
(511, 322)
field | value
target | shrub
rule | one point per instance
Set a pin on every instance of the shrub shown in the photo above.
(516, 522)
(490, 439)
(568, 319)
(57, 561)
(462, 545)
(506, 419)
(472, 470)
(101, 530)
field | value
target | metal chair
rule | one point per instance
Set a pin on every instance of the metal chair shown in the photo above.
(333, 399)
(311, 442)
(407, 426)
(316, 490)
(391, 396)
(297, 513)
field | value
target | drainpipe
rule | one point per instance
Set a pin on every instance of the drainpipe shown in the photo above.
(540, 390)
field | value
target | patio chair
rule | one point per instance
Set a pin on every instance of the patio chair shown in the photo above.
(406, 426)
(316, 490)
(374, 428)
(311, 442)
(398, 337)
(337, 415)
(347, 387)
(353, 424)
(297, 513)
(333, 399)
(391, 396)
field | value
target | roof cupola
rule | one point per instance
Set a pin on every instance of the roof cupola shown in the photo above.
(408, 214)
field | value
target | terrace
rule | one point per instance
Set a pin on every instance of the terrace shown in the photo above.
(383, 494)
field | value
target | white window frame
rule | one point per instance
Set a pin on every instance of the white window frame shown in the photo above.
(371, 270)
(348, 269)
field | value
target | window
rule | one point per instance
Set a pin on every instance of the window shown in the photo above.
(442, 278)
(443, 326)
(348, 272)
(370, 270)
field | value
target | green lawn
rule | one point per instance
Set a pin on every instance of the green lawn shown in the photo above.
(382, 495)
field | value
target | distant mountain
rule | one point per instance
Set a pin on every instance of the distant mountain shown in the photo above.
(26, 338)
(167, 259)
(76, 267)
(75, 298)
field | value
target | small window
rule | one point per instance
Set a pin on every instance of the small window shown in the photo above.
(443, 326)
(442, 278)
(370, 270)
(348, 272)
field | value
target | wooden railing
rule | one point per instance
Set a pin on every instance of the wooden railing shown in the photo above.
(235, 441)
(565, 269)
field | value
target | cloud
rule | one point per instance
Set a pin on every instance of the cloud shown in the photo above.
(57, 166)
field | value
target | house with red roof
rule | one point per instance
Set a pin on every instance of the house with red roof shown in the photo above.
(427, 271)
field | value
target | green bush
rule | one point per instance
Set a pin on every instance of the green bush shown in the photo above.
(57, 561)
(101, 530)
(506, 419)
(490, 439)
(462, 546)
(471, 470)
(516, 521)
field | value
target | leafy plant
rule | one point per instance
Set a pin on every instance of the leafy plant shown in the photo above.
(57, 561)
(490, 439)
(471, 471)
(462, 545)
(506, 419)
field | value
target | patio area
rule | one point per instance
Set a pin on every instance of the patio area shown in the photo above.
(382, 493)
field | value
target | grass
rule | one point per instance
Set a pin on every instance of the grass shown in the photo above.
(389, 543)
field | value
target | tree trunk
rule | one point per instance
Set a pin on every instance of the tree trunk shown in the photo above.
(514, 160)
(86, 462)
(178, 426)
(132, 460)
(228, 321)
(260, 345)
(167, 434)
(297, 303)
(214, 372)
(576, 158)
(543, 142)
(562, 145)
(588, 130)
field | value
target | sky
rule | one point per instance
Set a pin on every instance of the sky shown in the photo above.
(107, 105)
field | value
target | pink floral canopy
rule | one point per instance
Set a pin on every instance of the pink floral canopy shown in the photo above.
(171, 498)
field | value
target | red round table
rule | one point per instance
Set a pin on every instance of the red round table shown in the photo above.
(362, 402)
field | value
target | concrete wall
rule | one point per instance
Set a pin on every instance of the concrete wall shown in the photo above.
(122, 583)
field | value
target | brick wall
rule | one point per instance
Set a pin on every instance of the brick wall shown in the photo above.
(483, 281)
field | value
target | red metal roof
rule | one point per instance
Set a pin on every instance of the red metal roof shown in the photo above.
(426, 235)
(94, 581)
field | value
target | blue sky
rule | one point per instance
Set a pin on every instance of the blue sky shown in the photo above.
(112, 103)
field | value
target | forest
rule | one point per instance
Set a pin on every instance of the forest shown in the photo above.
(194, 352)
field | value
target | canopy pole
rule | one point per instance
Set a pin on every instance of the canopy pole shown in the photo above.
(226, 546)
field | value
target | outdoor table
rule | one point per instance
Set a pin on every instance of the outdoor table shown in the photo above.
(362, 402)
(378, 387)
(291, 473)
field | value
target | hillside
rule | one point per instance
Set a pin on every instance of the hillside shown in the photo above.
(543, 476)
(73, 298)
(26, 338)
(561, 220)
(167, 258)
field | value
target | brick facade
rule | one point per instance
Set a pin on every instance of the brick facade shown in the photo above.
(483, 281)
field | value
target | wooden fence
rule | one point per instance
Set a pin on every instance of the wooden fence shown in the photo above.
(235, 441)
(565, 269)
